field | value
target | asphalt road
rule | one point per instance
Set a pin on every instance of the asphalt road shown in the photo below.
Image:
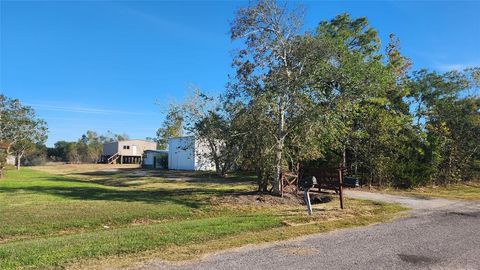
(439, 234)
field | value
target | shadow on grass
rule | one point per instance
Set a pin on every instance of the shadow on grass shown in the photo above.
(113, 186)
(126, 177)
(191, 197)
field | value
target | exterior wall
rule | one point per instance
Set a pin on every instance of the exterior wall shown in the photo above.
(181, 153)
(187, 153)
(110, 149)
(136, 147)
(202, 161)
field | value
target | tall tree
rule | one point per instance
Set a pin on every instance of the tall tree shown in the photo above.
(354, 85)
(172, 126)
(206, 118)
(19, 129)
(447, 119)
(269, 32)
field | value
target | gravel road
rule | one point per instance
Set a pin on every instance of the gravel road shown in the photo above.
(439, 234)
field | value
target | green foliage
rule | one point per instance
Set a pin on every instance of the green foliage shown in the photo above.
(20, 130)
(36, 156)
(162, 161)
(87, 149)
(172, 127)
(332, 97)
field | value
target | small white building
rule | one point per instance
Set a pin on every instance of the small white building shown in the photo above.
(189, 153)
(156, 159)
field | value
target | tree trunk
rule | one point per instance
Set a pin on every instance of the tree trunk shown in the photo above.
(19, 158)
(261, 180)
(356, 163)
(1, 173)
(279, 148)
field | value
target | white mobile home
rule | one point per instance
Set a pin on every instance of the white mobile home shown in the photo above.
(188, 153)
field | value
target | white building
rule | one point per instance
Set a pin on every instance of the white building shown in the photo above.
(188, 153)
(154, 159)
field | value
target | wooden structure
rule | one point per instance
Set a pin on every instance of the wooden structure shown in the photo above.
(288, 180)
(327, 179)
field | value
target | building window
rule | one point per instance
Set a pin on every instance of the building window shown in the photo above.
(126, 147)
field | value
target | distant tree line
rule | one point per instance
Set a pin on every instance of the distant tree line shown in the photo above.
(87, 149)
(333, 97)
(23, 136)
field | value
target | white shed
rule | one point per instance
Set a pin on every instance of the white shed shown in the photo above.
(188, 153)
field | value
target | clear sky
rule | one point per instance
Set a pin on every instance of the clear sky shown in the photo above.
(100, 65)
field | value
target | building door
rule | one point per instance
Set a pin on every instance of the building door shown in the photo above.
(134, 150)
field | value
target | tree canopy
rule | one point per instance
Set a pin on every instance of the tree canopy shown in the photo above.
(20, 130)
(335, 97)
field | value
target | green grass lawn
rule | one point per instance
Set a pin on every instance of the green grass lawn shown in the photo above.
(75, 216)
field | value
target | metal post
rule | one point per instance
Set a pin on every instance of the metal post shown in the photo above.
(340, 186)
(307, 201)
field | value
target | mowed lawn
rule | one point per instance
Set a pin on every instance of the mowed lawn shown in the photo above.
(81, 216)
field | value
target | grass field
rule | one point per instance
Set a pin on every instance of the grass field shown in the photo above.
(90, 216)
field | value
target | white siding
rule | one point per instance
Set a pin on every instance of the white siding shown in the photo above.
(181, 153)
(188, 153)
(202, 159)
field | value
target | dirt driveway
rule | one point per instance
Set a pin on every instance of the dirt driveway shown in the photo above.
(439, 234)
(417, 204)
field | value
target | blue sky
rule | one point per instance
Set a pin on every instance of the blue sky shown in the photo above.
(100, 65)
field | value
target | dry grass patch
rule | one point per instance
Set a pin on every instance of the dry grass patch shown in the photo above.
(466, 191)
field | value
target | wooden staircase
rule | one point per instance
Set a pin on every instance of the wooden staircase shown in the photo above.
(113, 158)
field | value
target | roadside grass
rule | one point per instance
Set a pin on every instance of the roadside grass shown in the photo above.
(468, 191)
(90, 214)
(365, 214)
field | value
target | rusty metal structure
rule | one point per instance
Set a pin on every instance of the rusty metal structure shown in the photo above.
(288, 180)
(326, 179)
